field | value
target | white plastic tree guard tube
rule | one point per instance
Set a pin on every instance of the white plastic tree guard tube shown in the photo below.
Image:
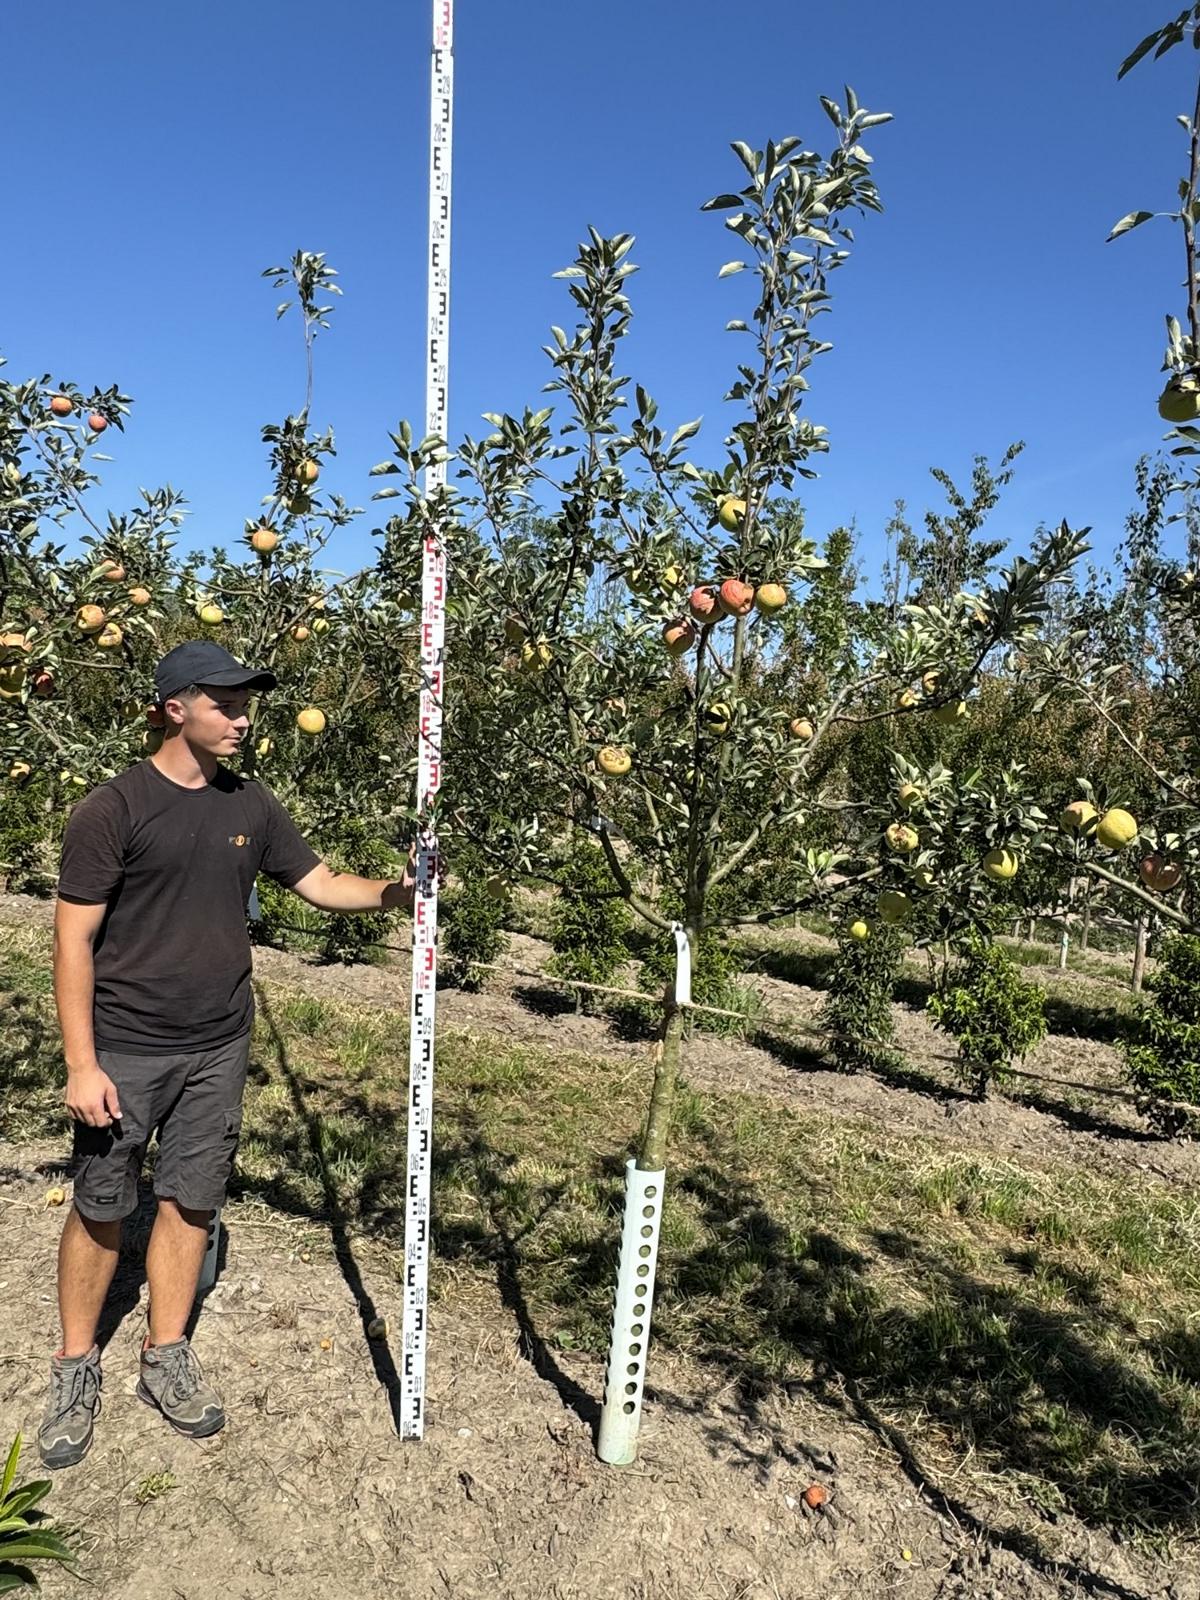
(621, 1413)
(208, 1267)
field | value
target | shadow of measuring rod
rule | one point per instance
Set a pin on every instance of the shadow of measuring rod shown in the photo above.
(381, 1355)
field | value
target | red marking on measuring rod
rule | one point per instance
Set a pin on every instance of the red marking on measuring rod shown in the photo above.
(423, 1011)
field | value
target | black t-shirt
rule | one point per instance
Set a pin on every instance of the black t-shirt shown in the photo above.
(175, 868)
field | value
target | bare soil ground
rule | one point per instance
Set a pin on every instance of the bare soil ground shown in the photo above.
(309, 1491)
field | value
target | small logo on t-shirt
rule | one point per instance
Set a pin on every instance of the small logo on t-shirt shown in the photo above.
(239, 839)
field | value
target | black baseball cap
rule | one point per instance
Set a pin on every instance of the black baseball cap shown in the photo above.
(201, 661)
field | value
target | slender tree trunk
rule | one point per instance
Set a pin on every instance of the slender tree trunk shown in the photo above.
(653, 1155)
(1065, 942)
(1086, 929)
(1139, 954)
(1032, 935)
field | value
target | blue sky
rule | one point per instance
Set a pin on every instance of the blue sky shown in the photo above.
(164, 154)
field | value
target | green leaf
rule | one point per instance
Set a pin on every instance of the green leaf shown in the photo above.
(730, 267)
(12, 1577)
(41, 1546)
(723, 202)
(1131, 220)
(10, 1467)
(875, 120)
(685, 431)
(1143, 49)
(833, 111)
(746, 156)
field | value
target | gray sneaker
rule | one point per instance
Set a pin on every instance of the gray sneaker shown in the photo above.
(173, 1380)
(66, 1430)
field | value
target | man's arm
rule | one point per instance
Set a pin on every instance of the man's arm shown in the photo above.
(91, 1093)
(342, 891)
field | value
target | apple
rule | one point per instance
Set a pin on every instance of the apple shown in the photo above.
(139, 596)
(1078, 817)
(112, 571)
(704, 605)
(716, 717)
(906, 700)
(909, 796)
(90, 619)
(497, 888)
(514, 631)
(1116, 829)
(731, 512)
(736, 597)
(306, 472)
(321, 625)
(300, 633)
(210, 613)
(13, 644)
(97, 423)
(902, 838)
(894, 907)
(930, 682)
(110, 636)
(536, 658)
(1000, 865)
(19, 771)
(311, 721)
(61, 405)
(43, 684)
(1159, 873)
(679, 637)
(263, 747)
(800, 728)
(299, 505)
(614, 761)
(771, 597)
(859, 931)
(953, 711)
(12, 680)
(264, 540)
(1180, 400)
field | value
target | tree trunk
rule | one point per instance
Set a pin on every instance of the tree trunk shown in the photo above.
(1086, 929)
(1064, 945)
(1032, 929)
(653, 1155)
(1139, 954)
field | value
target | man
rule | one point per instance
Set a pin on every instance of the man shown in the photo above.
(152, 974)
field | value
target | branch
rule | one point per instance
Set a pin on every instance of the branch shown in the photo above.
(801, 905)
(1154, 901)
(627, 889)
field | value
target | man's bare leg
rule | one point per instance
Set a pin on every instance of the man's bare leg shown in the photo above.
(174, 1257)
(87, 1260)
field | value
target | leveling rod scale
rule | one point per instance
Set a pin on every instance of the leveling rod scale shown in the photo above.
(429, 757)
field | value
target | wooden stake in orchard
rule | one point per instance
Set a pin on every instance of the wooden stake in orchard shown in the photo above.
(429, 758)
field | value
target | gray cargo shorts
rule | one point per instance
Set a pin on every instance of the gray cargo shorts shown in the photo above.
(193, 1102)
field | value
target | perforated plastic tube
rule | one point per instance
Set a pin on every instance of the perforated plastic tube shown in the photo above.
(208, 1268)
(622, 1409)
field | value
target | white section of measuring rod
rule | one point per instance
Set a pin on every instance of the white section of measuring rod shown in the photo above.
(423, 1012)
(626, 1375)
